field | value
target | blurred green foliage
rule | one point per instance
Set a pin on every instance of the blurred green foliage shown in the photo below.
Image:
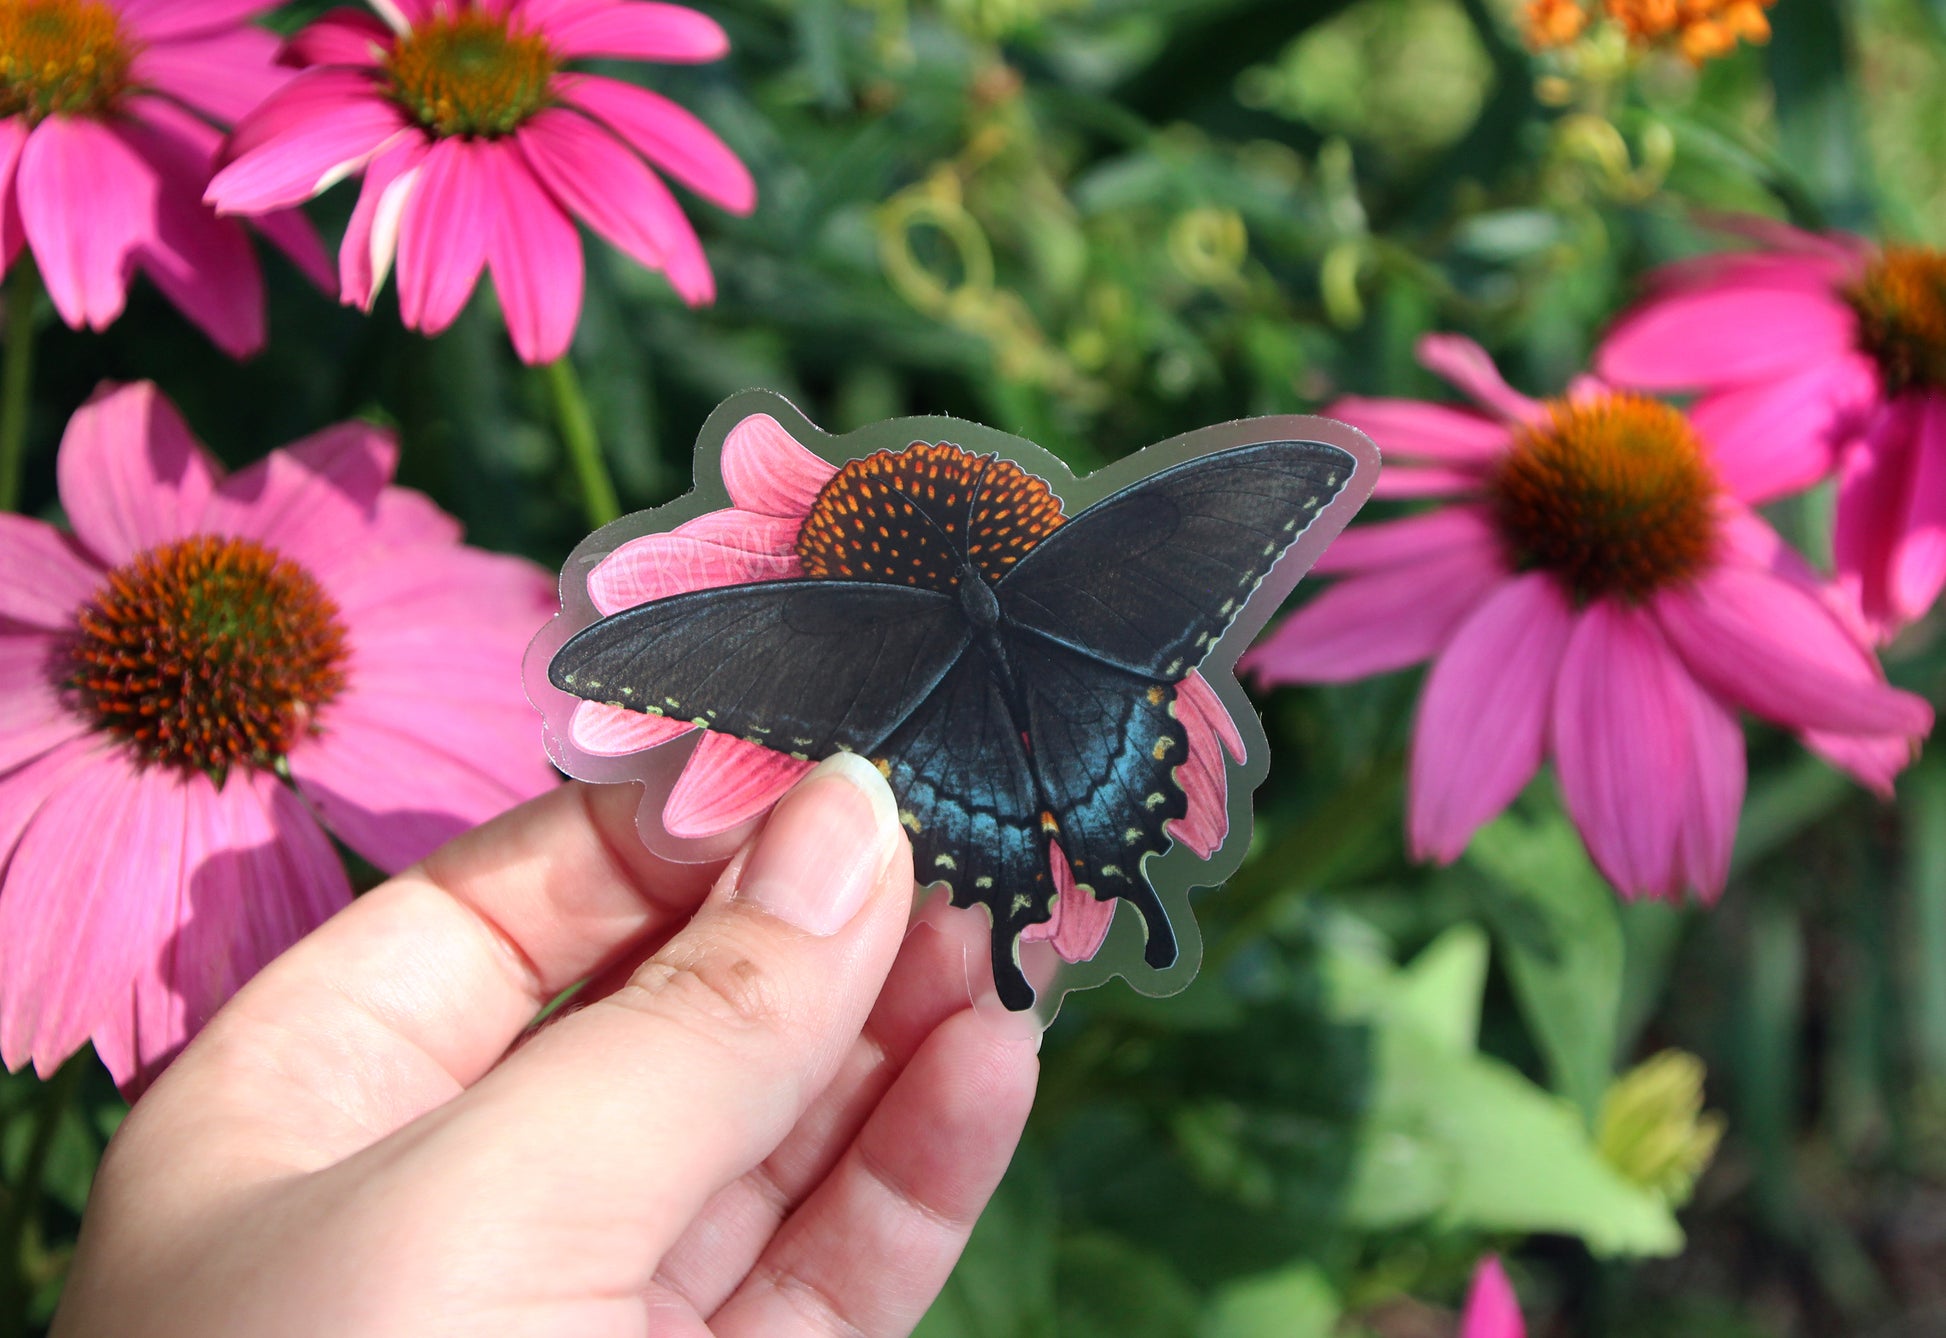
(1098, 223)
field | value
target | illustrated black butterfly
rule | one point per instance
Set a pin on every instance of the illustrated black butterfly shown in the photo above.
(1011, 671)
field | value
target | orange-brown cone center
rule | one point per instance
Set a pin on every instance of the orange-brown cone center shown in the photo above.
(916, 516)
(1613, 496)
(67, 56)
(1901, 306)
(470, 74)
(208, 652)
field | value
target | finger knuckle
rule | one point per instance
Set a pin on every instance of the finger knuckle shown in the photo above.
(724, 992)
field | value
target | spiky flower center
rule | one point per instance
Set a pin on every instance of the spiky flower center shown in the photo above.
(208, 652)
(471, 74)
(906, 518)
(67, 56)
(1613, 496)
(1901, 306)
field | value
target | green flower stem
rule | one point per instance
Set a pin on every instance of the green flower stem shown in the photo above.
(23, 1204)
(577, 427)
(16, 373)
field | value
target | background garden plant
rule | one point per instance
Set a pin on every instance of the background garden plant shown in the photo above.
(1098, 223)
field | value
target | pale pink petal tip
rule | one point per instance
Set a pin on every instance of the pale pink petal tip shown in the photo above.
(1466, 366)
(727, 782)
(734, 548)
(1080, 922)
(611, 731)
(1492, 1308)
(768, 470)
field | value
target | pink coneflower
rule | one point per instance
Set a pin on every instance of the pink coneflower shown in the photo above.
(1596, 590)
(111, 109)
(1813, 353)
(784, 497)
(479, 149)
(196, 643)
(1492, 1309)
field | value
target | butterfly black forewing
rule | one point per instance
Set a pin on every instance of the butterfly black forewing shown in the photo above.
(806, 667)
(1149, 578)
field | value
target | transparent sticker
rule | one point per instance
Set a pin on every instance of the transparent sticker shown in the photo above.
(1042, 666)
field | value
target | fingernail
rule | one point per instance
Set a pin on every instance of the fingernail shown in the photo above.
(824, 847)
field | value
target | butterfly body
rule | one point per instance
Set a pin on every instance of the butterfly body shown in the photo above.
(1014, 672)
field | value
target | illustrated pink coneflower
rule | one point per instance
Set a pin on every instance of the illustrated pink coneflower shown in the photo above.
(1594, 589)
(203, 677)
(1815, 353)
(109, 125)
(784, 497)
(479, 149)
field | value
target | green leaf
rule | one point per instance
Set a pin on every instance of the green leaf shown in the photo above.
(1556, 921)
(1109, 1288)
(1466, 1140)
(1296, 1302)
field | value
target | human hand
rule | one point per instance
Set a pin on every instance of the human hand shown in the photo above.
(738, 1132)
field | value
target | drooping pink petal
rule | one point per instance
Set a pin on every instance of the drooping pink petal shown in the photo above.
(1483, 716)
(389, 794)
(372, 236)
(1399, 543)
(1405, 481)
(1768, 645)
(340, 37)
(81, 913)
(259, 874)
(47, 576)
(1776, 437)
(1726, 336)
(768, 470)
(1873, 760)
(1378, 622)
(1465, 366)
(1716, 784)
(1080, 922)
(305, 499)
(443, 234)
(130, 475)
(1413, 429)
(1197, 701)
(33, 719)
(223, 75)
(87, 202)
(13, 138)
(727, 782)
(1492, 1309)
(1874, 480)
(157, 21)
(1622, 748)
(534, 252)
(598, 178)
(378, 591)
(404, 516)
(629, 30)
(319, 128)
(202, 263)
(668, 135)
(611, 731)
(25, 788)
(659, 565)
(1918, 568)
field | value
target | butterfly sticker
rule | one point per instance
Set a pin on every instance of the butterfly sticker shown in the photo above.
(1040, 666)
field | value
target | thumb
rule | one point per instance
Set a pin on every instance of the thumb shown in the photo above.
(633, 1111)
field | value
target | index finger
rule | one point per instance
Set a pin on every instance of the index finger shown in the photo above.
(416, 989)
